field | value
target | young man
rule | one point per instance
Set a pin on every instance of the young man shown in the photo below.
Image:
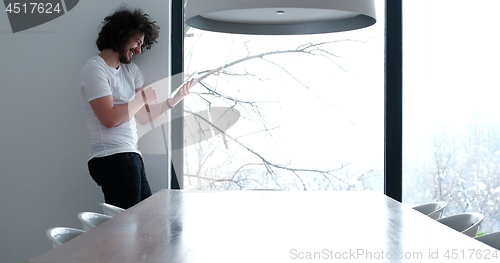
(113, 96)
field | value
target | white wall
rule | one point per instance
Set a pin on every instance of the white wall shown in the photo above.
(44, 181)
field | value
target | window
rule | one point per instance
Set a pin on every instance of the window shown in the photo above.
(286, 112)
(451, 146)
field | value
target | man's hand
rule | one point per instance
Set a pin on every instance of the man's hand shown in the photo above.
(149, 94)
(158, 109)
(183, 92)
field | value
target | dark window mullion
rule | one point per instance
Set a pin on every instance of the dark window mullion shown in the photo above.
(177, 67)
(393, 165)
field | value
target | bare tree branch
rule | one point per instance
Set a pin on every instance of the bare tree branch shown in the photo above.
(269, 165)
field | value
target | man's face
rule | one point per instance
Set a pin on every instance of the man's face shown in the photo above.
(133, 47)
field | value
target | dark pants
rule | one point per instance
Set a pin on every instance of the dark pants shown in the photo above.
(121, 177)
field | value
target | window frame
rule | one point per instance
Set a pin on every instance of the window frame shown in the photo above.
(393, 110)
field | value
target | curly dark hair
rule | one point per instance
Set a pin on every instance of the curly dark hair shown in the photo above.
(117, 29)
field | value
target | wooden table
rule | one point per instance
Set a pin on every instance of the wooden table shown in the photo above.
(270, 226)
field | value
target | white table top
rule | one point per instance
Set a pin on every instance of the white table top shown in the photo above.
(270, 226)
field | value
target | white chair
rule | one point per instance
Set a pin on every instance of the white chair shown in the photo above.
(61, 235)
(90, 219)
(111, 210)
(492, 240)
(466, 223)
(433, 210)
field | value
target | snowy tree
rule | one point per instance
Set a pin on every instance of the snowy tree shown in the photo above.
(268, 88)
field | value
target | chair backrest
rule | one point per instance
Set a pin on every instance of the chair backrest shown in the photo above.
(90, 219)
(466, 223)
(61, 235)
(433, 210)
(492, 240)
(111, 210)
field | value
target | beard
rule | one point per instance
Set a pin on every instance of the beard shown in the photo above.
(123, 56)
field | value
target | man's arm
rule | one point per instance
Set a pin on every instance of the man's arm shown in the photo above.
(158, 109)
(111, 115)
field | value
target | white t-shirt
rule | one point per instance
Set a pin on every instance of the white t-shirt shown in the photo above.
(97, 80)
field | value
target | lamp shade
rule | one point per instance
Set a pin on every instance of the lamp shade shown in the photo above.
(280, 17)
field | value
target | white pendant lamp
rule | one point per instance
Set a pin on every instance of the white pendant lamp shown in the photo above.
(280, 17)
